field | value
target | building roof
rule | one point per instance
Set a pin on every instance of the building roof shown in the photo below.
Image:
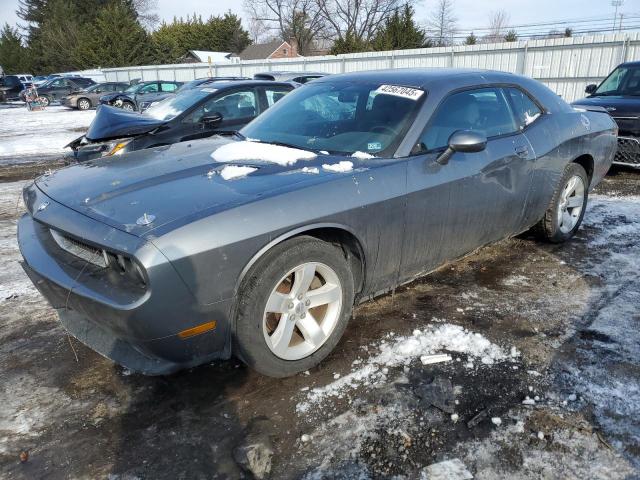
(203, 56)
(259, 51)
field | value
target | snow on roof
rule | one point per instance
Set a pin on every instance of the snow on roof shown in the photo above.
(264, 152)
(203, 56)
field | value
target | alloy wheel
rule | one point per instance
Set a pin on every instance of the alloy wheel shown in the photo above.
(302, 311)
(84, 104)
(571, 204)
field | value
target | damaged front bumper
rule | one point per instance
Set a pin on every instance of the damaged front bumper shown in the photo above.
(138, 325)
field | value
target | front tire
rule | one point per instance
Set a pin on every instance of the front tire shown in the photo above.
(128, 106)
(293, 307)
(45, 100)
(564, 215)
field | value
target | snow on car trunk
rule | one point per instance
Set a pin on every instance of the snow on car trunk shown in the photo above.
(46, 132)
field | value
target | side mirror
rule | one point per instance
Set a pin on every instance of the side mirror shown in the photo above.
(466, 141)
(212, 119)
(590, 89)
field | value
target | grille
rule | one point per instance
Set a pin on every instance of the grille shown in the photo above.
(79, 249)
(628, 151)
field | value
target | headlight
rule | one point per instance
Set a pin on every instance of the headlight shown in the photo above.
(116, 147)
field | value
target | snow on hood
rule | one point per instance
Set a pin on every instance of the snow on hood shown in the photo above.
(340, 167)
(236, 171)
(265, 152)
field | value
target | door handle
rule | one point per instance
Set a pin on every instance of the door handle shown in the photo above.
(522, 151)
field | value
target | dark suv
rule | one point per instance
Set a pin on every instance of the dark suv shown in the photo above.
(619, 93)
(58, 88)
(10, 88)
(140, 96)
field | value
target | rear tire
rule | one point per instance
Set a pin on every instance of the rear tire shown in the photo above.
(293, 307)
(45, 101)
(128, 106)
(566, 210)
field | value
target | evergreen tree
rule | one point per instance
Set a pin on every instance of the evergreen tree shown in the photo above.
(511, 36)
(115, 38)
(12, 52)
(471, 39)
(350, 43)
(400, 32)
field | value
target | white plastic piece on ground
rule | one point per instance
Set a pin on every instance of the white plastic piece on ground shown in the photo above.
(438, 358)
(496, 421)
(265, 152)
(236, 171)
(447, 470)
(454, 417)
(340, 167)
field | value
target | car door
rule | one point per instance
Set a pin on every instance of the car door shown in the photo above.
(475, 198)
(237, 107)
(59, 88)
(145, 91)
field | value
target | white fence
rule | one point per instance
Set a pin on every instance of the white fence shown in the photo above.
(566, 65)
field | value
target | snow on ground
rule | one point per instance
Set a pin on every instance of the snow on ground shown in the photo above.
(401, 351)
(264, 152)
(46, 132)
(13, 280)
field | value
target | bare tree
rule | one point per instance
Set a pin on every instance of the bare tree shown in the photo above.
(146, 12)
(498, 22)
(258, 30)
(358, 19)
(300, 20)
(442, 23)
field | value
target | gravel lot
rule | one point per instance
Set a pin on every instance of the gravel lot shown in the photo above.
(543, 381)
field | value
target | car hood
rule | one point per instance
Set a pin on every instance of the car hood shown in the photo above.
(112, 122)
(175, 184)
(615, 105)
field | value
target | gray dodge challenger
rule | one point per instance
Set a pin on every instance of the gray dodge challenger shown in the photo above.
(258, 245)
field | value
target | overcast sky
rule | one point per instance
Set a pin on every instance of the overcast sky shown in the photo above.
(470, 13)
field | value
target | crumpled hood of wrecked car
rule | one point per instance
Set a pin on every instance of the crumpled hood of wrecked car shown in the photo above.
(177, 183)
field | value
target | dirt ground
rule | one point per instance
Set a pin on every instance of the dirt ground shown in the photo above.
(543, 381)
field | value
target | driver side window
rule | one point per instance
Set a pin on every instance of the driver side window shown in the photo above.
(483, 110)
(151, 88)
(232, 106)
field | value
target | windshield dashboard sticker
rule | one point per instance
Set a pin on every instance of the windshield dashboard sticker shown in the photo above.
(404, 92)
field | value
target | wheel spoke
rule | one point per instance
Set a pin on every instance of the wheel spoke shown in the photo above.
(277, 303)
(302, 279)
(310, 329)
(575, 201)
(571, 186)
(567, 220)
(281, 337)
(328, 293)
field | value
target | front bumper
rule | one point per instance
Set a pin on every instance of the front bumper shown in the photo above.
(135, 326)
(628, 152)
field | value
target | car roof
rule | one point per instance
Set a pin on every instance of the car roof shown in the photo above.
(410, 77)
(223, 84)
(290, 72)
(631, 64)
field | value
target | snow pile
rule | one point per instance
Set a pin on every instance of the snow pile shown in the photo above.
(340, 167)
(362, 155)
(310, 170)
(265, 152)
(236, 171)
(402, 351)
(44, 132)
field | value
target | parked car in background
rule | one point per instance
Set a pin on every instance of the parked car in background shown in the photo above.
(90, 97)
(25, 78)
(10, 88)
(41, 79)
(260, 247)
(139, 96)
(190, 114)
(619, 94)
(298, 77)
(59, 87)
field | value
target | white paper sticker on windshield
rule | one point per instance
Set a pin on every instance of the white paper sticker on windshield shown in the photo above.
(404, 92)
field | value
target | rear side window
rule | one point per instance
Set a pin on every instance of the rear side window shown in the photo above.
(168, 87)
(151, 88)
(524, 108)
(483, 110)
(275, 94)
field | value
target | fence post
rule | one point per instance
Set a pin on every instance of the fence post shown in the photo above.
(452, 59)
(523, 65)
(342, 66)
(625, 47)
(392, 60)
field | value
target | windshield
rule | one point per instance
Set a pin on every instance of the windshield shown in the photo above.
(92, 87)
(622, 81)
(340, 117)
(171, 107)
(134, 88)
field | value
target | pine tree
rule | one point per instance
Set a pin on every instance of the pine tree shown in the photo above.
(12, 52)
(511, 36)
(350, 44)
(115, 38)
(400, 32)
(471, 39)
